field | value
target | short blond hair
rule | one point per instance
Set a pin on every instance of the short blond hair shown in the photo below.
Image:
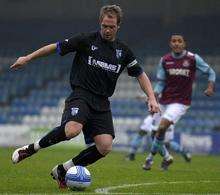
(111, 11)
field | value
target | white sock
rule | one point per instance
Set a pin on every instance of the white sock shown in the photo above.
(68, 164)
(168, 156)
(37, 146)
(150, 156)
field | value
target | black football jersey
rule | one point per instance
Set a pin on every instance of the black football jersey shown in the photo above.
(98, 63)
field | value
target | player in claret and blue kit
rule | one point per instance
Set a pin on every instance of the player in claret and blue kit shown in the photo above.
(176, 74)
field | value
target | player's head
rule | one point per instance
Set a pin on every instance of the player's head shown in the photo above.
(177, 43)
(110, 20)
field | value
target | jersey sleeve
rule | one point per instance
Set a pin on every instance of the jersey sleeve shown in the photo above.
(161, 77)
(133, 68)
(205, 68)
(70, 45)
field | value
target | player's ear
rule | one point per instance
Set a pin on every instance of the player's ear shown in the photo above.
(170, 45)
(184, 44)
(118, 27)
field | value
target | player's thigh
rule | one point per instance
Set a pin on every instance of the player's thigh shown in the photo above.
(174, 112)
(101, 123)
(75, 116)
(169, 136)
(156, 121)
(87, 133)
(146, 125)
(102, 130)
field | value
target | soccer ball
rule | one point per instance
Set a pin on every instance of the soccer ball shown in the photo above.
(78, 178)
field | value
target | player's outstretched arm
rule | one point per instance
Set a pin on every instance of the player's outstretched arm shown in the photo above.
(205, 68)
(44, 51)
(148, 90)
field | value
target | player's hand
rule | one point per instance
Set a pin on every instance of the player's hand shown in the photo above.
(210, 89)
(21, 61)
(153, 106)
(209, 92)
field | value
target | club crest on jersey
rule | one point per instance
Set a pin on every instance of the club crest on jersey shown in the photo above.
(93, 48)
(118, 53)
(74, 111)
(186, 63)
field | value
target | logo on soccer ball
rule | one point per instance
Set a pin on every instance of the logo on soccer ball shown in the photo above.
(186, 63)
(74, 111)
(118, 53)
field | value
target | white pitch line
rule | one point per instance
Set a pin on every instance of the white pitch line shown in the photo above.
(108, 189)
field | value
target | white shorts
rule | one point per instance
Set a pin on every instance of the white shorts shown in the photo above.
(147, 124)
(169, 136)
(173, 112)
(151, 123)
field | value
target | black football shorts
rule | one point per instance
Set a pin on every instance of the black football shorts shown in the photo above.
(94, 122)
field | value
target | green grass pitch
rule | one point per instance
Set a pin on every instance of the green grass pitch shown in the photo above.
(112, 174)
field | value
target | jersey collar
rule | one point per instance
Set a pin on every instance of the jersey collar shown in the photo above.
(179, 55)
(111, 43)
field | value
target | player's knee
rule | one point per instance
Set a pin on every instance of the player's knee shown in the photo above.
(160, 134)
(103, 143)
(72, 129)
(162, 129)
(104, 150)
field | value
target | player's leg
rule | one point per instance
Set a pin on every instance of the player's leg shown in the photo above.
(150, 158)
(135, 144)
(71, 126)
(58, 134)
(176, 147)
(100, 130)
(171, 115)
(59, 171)
(145, 127)
(157, 145)
(167, 158)
(159, 136)
(102, 146)
(154, 126)
(94, 152)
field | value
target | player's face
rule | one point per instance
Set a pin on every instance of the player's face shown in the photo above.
(109, 28)
(177, 43)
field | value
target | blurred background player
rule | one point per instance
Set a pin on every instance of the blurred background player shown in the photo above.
(148, 128)
(100, 59)
(176, 74)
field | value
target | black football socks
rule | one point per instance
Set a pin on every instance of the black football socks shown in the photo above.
(87, 156)
(53, 137)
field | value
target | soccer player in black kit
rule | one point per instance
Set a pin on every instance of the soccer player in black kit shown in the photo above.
(100, 58)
